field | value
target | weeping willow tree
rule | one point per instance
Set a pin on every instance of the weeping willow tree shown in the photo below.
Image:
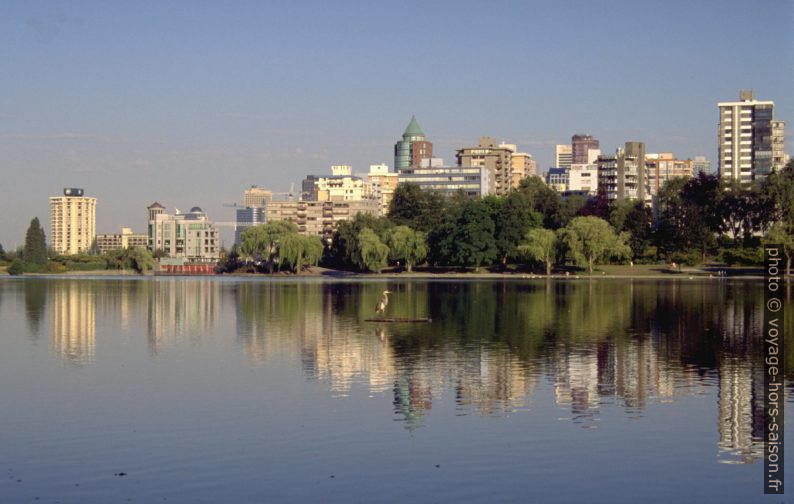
(295, 250)
(262, 242)
(406, 245)
(374, 253)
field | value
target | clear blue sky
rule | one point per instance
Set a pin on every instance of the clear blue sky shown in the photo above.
(188, 103)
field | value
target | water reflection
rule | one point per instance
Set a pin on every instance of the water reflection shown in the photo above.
(35, 302)
(73, 322)
(179, 310)
(596, 344)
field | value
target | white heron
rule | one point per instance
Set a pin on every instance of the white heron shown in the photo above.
(382, 302)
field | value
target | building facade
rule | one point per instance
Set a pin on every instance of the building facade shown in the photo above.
(72, 222)
(581, 145)
(751, 141)
(623, 176)
(563, 156)
(127, 239)
(701, 165)
(191, 236)
(383, 183)
(257, 196)
(412, 148)
(496, 160)
(433, 175)
(660, 168)
(522, 165)
(583, 179)
(557, 179)
(319, 218)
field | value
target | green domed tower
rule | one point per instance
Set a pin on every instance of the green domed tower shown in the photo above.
(412, 148)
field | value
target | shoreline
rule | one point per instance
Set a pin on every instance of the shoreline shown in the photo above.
(322, 273)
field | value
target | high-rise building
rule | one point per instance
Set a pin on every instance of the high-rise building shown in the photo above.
(383, 183)
(191, 236)
(495, 159)
(72, 222)
(701, 165)
(623, 176)
(750, 139)
(580, 147)
(412, 148)
(257, 197)
(522, 164)
(660, 168)
(448, 180)
(563, 156)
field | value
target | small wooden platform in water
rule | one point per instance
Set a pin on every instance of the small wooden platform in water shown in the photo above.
(398, 320)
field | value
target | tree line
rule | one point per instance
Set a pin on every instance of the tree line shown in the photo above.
(35, 257)
(697, 220)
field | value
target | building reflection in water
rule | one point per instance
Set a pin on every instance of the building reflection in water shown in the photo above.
(491, 344)
(73, 321)
(181, 309)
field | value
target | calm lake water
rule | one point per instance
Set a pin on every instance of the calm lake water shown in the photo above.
(257, 390)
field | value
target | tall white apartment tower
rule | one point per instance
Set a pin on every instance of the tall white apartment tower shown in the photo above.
(750, 140)
(72, 222)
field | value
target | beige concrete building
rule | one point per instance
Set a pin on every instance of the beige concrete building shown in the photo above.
(751, 141)
(319, 218)
(383, 183)
(257, 196)
(563, 156)
(191, 236)
(662, 167)
(127, 239)
(495, 159)
(72, 222)
(522, 164)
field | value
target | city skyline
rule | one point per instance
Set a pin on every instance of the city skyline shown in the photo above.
(135, 106)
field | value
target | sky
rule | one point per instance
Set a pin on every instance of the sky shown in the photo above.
(189, 103)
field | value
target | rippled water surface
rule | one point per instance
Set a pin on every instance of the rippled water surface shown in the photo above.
(228, 390)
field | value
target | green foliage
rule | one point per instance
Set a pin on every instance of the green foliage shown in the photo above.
(17, 267)
(260, 243)
(345, 247)
(465, 236)
(35, 250)
(3, 256)
(540, 245)
(635, 219)
(590, 240)
(230, 262)
(406, 245)
(136, 258)
(414, 207)
(744, 210)
(690, 215)
(544, 200)
(295, 250)
(743, 256)
(781, 234)
(374, 253)
(513, 217)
